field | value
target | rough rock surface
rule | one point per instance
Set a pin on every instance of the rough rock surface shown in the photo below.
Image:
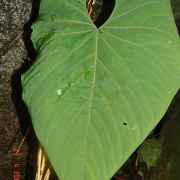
(14, 15)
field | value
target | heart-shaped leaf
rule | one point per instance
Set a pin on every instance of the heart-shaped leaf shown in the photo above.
(95, 94)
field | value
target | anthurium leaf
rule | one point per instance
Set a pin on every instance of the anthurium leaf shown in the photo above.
(95, 94)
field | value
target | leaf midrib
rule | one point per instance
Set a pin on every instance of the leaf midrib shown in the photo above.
(90, 102)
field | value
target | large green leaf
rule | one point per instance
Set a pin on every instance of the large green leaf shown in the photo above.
(95, 94)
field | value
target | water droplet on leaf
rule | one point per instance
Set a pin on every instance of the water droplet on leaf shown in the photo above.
(59, 92)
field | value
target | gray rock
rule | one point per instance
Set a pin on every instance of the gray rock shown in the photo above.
(14, 15)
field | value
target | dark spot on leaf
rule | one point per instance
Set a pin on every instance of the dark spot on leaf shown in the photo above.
(88, 75)
(100, 11)
(124, 123)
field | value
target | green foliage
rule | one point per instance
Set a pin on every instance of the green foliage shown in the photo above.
(95, 94)
(150, 151)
